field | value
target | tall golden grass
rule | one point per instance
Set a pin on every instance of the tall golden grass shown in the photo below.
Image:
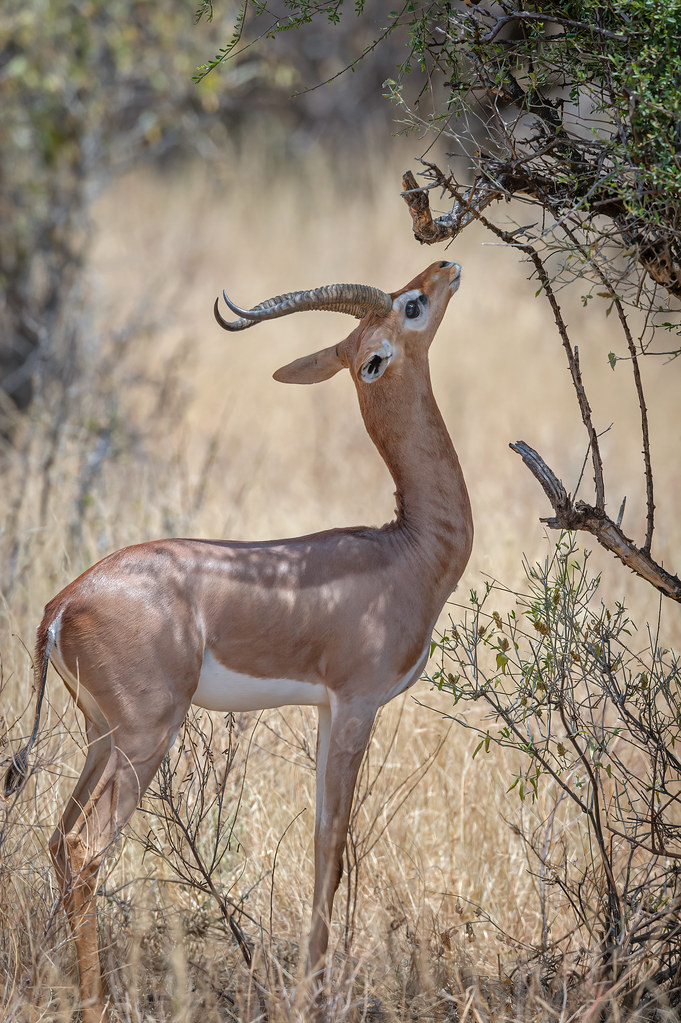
(201, 441)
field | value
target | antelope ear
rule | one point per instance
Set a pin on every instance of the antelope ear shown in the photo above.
(311, 368)
(375, 361)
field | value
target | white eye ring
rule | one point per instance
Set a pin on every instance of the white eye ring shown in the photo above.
(416, 302)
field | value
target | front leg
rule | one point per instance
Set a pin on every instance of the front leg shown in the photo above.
(323, 737)
(344, 732)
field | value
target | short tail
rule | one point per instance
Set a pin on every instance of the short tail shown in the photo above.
(17, 773)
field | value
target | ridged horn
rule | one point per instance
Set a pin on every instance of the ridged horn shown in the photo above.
(354, 299)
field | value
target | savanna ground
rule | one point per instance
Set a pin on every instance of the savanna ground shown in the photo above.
(181, 431)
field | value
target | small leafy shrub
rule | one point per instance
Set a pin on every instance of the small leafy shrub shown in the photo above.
(592, 711)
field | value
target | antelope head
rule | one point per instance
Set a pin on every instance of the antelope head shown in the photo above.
(394, 334)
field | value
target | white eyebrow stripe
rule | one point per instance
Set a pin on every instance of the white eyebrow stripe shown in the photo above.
(407, 296)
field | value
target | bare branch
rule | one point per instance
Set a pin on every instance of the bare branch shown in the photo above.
(551, 20)
(573, 364)
(645, 433)
(503, 179)
(638, 383)
(579, 515)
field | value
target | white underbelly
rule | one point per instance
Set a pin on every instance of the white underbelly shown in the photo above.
(224, 690)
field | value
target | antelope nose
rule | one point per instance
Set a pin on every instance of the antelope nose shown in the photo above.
(454, 275)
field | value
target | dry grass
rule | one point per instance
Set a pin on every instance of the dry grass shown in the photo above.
(204, 442)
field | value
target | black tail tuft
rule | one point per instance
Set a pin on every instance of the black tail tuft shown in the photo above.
(17, 772)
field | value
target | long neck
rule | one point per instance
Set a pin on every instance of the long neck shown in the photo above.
(433, 508)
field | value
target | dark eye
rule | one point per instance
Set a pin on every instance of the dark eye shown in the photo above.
(412, 309)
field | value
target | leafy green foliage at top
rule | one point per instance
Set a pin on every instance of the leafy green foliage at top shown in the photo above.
(615, 67)
(645, 76)
(574, 106)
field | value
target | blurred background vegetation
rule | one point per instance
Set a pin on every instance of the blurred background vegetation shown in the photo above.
(89, 91)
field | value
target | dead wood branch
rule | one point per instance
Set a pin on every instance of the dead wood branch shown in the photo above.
(506, 179)
(579, 515)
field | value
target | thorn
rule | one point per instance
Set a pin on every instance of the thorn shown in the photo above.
(620, 513)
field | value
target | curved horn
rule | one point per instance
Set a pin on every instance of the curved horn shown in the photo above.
(355, 299)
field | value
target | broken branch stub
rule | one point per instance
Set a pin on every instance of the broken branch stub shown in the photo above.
(579, 515)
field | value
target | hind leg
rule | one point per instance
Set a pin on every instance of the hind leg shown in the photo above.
(98, 753)
(114, 780)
